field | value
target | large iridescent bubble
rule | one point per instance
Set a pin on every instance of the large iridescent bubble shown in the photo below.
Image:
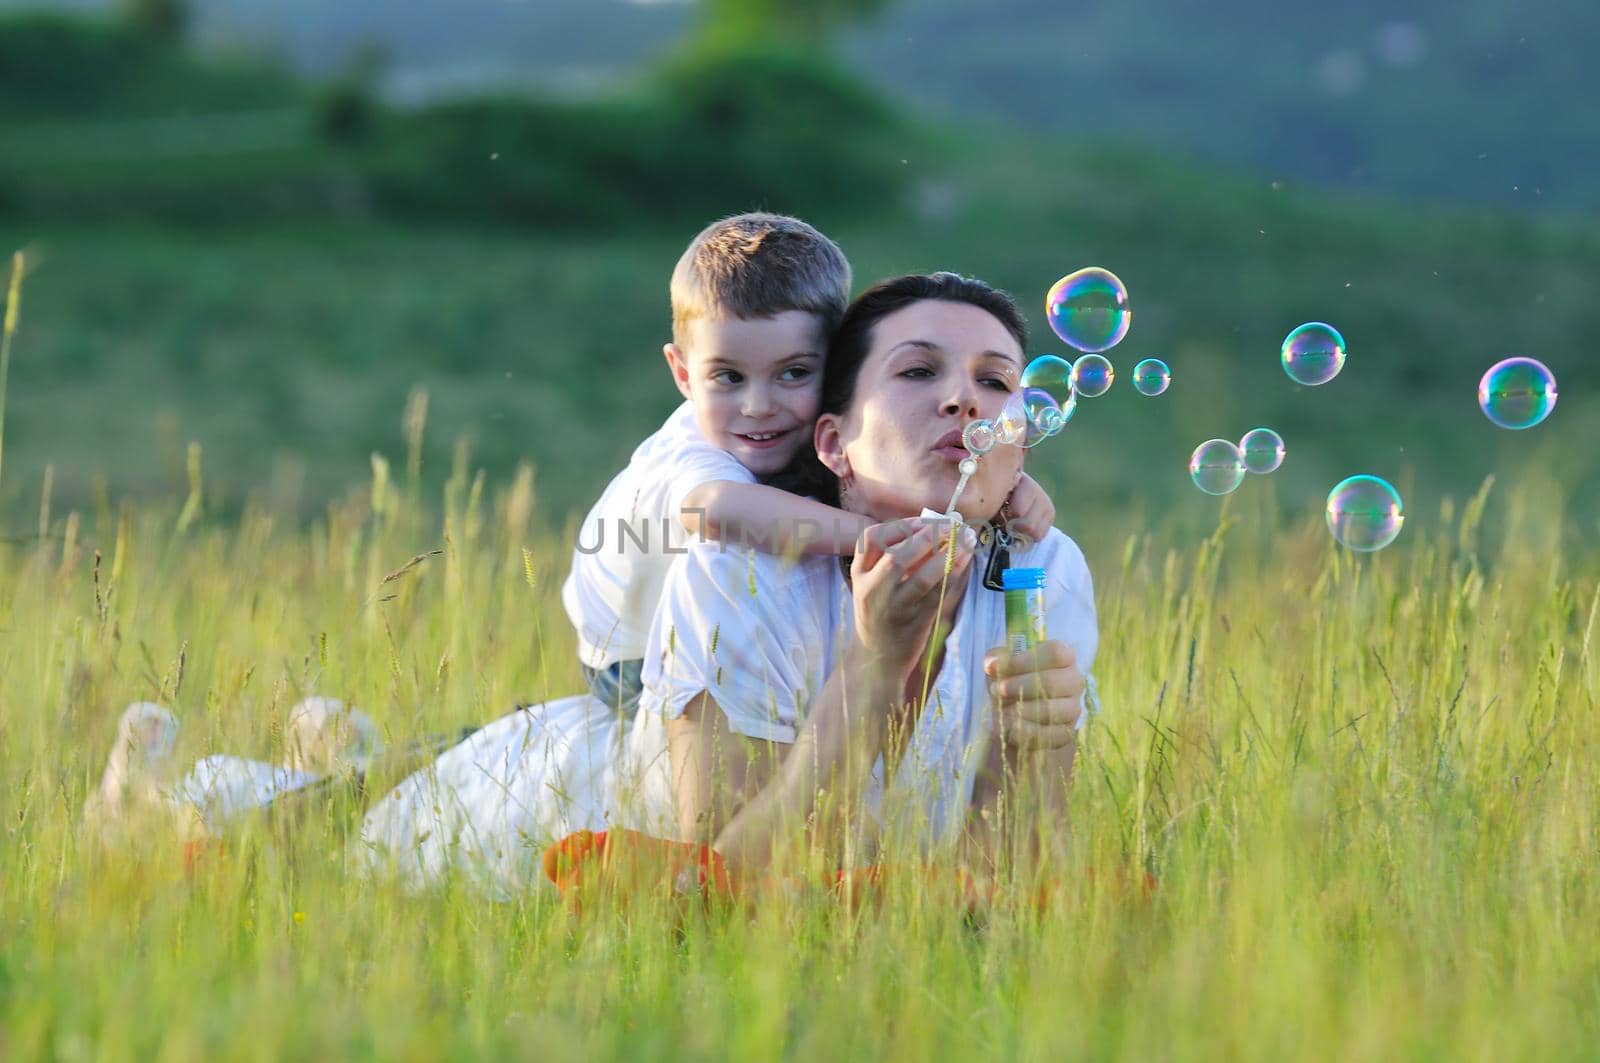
(1089, 310)
(1051, 372)
(1216, 467)
(1262, 449)
(1092, 375)
(1313, 353)
(1517, 393)
(1364, 513)
(1151, 377)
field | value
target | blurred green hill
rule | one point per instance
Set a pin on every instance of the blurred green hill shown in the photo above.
(107, 121)
(1477, 101)
(271, 269)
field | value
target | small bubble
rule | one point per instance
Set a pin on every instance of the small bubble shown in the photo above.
(1092, 375)
(1364, 513)
(1262, 450)
(1051, 372)
(1517, 393)
(1216, 467)
(1151, 377)
(1313, 354)
(979, 437)
(1031, 416)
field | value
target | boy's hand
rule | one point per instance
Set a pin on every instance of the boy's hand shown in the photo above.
(1032, 512)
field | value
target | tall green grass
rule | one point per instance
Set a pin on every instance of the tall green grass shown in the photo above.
(1367, 785)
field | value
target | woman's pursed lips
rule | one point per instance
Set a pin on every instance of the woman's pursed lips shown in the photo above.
(950, 446)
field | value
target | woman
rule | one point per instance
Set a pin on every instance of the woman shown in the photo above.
(779, 693)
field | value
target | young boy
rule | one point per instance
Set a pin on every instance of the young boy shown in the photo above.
(754, 299)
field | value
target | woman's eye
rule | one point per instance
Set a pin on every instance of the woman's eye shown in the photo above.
(794, 372)
(917, 372)
(999, 383)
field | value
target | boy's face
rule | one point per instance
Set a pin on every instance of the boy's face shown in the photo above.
(756, 384)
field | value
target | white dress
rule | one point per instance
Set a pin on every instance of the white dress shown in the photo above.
(762, 637)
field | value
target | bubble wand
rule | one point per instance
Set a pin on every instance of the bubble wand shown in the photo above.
(1029, 417)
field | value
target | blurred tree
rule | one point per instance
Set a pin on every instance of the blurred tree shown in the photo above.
(164, 19)
(346, 108)
(781, 21)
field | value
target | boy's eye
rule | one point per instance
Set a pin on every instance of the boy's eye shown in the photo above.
(727, 376)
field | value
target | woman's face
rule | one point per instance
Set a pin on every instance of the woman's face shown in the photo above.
(933, 367)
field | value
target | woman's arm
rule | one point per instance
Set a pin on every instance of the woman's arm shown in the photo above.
(820, 785)
(769, 519)
(715, 770)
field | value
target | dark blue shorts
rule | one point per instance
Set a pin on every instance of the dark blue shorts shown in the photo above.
(617, 685)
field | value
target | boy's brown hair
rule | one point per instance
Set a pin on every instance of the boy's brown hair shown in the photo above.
(757, 266)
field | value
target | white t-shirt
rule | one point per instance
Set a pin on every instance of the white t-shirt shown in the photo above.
(762, 636)
(633, 534)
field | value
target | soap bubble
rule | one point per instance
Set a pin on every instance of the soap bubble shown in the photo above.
(1013, 420)
(1089, 309)
(1313, 353)
(1051, 372)
(1043, 416)
(1007, 430)
(1151, 377)
(1029, 417)
(1092, 375)
(1216, 467)
(978, 437)
(1364, 513)
(1262, 450)
(1062, 412)
(1517, 393)
(1031, 414)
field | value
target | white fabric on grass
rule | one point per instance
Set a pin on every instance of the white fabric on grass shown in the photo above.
(487, 807)
(223, 788)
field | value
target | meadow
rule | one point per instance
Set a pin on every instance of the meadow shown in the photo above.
(247, 390)
(1365, 784)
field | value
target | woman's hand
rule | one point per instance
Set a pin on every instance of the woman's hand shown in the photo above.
(1032, 512)
(895, 579)
(1037, 695)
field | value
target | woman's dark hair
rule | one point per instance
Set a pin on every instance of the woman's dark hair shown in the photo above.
(848, 347)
